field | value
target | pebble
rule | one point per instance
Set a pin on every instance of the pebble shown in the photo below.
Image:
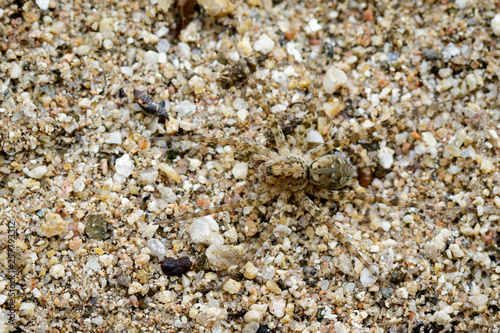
(487, 166)
(113, 138)
(156, 248)
(123, 167)
(495, 25)
(176, 267)
(43, 4)
(264, 44)
(385, 156)
(217, 8)
(366, 278)
(430, 54)
(222, 257)
(240, 170)
(232, 286)
(135, 288)
(185, 108)
(450, 51)
(256, 313)
(333, 80)
(165, 297)
(250, 271)
(205, 230)
(57, 271)
(27, 309)
(142, 259)
(277, 307)
(96, 226)
(52, 225)
(314, 137)
(170, 172)
(37, 172)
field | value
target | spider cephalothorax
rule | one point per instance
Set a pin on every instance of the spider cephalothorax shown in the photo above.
(301, 174)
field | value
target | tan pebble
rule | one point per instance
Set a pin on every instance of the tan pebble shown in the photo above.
(142, 259)
(232, 286)
(273, 287)
(250, 271)
(75, 243)
(250, 228)
(170, 172)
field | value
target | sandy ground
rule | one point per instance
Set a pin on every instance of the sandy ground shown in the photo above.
(81, 184)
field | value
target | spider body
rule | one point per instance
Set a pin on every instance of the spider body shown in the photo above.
(294, 171)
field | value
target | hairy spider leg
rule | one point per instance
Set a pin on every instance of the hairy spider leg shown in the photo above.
(250, 147)
(351, 195)
(301, 131)
(338, 143)
(279, 137)
(263, 237)
(255, 201)
(316, 212)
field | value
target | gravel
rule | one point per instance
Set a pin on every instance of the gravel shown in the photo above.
(82, 184)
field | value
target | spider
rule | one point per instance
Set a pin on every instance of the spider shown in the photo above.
(295, 172)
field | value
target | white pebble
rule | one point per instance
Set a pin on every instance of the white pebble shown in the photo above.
(93, 265)
(43, 4)
(37, 172)
(15, 71)
(221, 257)
(429, 139)
(277, 307)
(185, 108)
(487, 166)
(385, 156)
(98, 320)
(151, 57)
(157, 248)
(240, 170)
(184, 50)
(57, 271)
(314, 136)
(366, 278)
(495, 24)
(441, 317)
(264, 44)
(456, 251)
(165, 296)
(314, 25)
(478, 300)
(334, 79)
(127, 70)
(242, 115)
(450, 51)
(205, 230)
(124, 165)
(240, 104)
(79, 184)
(113, 138)
(27, 309)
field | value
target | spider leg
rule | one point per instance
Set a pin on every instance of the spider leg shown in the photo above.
(255, 201)
(240, 144)
(301, 131)
(316, 212)
(264, 236)
(338, 143)
(279, 137)
(351, 195)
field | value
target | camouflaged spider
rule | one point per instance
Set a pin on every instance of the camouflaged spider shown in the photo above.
(294, 172)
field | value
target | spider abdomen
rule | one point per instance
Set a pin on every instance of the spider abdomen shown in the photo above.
(288, 172)
(331, 171)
